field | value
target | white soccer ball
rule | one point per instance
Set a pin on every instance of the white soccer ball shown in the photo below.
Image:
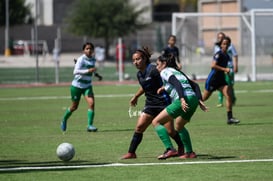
(127, 76)
(65, 151)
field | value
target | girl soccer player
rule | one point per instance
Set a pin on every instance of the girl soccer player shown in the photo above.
(232, 65)
(150, 81)
(82, 85)
(216, 78)
(186, 96)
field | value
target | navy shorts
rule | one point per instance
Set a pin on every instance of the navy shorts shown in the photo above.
(153, 110)
(215, 82)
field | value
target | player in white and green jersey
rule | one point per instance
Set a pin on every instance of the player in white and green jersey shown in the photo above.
(82, 85)
(185, 95)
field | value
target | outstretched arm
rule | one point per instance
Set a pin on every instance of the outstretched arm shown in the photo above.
(133, 101)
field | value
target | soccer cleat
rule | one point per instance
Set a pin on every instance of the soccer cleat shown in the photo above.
(168, 154)
(233, 121)
(91, 128)
(188, 155)
(180, 151)
(129, 156)
(219, 105)
(63, 125)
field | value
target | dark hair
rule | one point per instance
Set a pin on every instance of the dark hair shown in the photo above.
(172, 36)
(169, 59)
(226, 38)
(88, 43)
(145, 54)
(220, 33)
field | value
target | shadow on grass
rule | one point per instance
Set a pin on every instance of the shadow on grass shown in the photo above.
(23, 166)
(116, 130)
(250, 124)
(213, 157)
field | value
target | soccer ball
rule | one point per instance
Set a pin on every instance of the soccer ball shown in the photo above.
(65, 151)
(127, 76)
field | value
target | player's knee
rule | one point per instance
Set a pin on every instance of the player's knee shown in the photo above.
(73, 108)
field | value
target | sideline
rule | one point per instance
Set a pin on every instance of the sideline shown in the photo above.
(132, 164)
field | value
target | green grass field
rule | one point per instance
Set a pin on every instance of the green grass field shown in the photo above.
(30, 133)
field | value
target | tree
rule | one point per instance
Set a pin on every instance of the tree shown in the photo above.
(19, 12)
(105, 19)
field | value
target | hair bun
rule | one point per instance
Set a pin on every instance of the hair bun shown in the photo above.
(147, 51)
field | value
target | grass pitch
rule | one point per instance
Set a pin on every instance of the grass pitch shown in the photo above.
(30, 133)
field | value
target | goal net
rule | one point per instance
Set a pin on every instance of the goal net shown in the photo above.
(250, 33)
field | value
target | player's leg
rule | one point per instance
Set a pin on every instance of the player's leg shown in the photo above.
(75, 97)
(206, 95)
(220, 99)
(185, 137)
(175, 136)
(231, 84)
(89, 97)
(180, 123)
(144, 120)
(226, 91)
(209, 88)
(162, 133)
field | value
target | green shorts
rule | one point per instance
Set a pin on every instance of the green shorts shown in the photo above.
(175, 110)
(77, 92)
(229, 77)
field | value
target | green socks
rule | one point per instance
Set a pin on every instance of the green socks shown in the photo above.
(164, 136)
(67, 114)
(220, 97)
(185, 137)
(90, 117)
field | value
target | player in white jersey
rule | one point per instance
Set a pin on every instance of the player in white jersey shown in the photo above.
(232, 65)
(185, 95)
(82, 85)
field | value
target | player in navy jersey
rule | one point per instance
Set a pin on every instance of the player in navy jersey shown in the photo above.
(82, 85)
(216, 78)
(172, 49)
(232, 65)
(150, 81)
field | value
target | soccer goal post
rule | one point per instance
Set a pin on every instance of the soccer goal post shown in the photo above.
(250, 33)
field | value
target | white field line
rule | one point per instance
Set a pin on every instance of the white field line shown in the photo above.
(62, 97)
(111, 95)
(133, 164)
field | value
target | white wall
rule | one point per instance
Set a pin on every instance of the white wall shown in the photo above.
(45, 11)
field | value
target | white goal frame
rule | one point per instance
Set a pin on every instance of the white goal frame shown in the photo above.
(178, 20)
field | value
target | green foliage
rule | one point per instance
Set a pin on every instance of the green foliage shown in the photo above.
(19, 13)
(105, 19)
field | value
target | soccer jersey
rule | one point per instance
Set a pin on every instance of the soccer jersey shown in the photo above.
(216, 78)
(150, 82)
(171, 50)
(231, 52)
(166, 74)
(83, 78)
